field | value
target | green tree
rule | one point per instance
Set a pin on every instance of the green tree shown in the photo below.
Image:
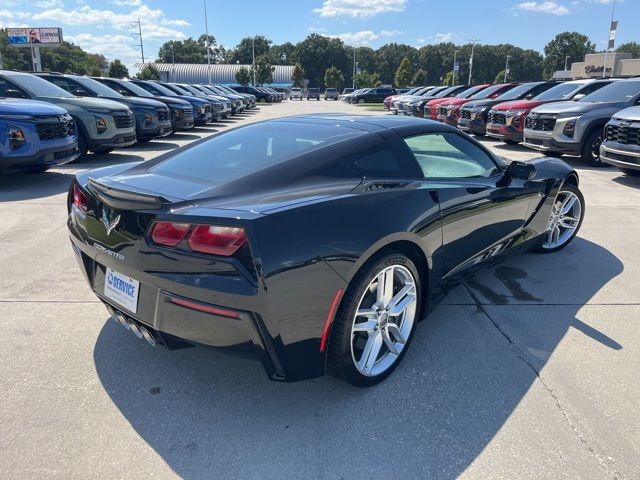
(297, 76)
(284, 54)
(449, 79)
(148, 72)
(571, 44)
(421, 77)
(388, 58)
(365, 79)
(404, 73)
(499, 77)
(243, 53)
(117, 69)
(192, 51)
(333, 78)
(264, 70)
(631, 47)
(243, 76)
(316, 53)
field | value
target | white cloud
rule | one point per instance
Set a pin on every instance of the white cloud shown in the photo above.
(359, 8)
(132, 3)
(364, 37)
(444, 37)
(546, 6)
(48, 4)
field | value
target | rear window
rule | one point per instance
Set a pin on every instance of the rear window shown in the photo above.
(248, 149)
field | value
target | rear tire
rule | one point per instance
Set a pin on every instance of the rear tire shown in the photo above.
(366, 351)
(510, 142)
(591, 148)
(565, 219)
(361, 101)
(82, 147)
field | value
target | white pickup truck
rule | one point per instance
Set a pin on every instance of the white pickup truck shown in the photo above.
(295, 94)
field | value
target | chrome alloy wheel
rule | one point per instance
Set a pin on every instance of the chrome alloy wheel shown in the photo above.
(383, 320)
(564, 219)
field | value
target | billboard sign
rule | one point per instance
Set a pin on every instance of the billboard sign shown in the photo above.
(34, 37)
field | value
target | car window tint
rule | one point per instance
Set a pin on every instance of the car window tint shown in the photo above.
(6, 85)
(593, 87)
(62, 83)
(449, 155)
(240, 152)
(377, 162)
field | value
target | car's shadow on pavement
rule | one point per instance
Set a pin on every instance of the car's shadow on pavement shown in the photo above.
(28, 186)
(628, 180)
(208, 414)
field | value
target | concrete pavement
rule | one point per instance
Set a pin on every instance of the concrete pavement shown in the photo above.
(529, 370)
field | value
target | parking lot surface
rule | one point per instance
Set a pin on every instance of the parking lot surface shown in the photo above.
(529, 370)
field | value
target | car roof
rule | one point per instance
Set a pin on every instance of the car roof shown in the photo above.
(369, 123)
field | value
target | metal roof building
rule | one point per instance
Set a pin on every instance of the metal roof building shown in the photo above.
(224, 74)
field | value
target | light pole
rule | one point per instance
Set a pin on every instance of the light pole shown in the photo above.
(566, 59)
(455, 56)
(206, 32)
(253, 56)
(506, 69)
(606, 54)
(353, 77)
(173, 63)
(473, 48)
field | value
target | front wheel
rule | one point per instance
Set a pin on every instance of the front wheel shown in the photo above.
(376, 320)
(361, 101)
(591, 149)
(565, 219)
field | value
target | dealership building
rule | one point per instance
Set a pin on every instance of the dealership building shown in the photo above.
(223, 74)
(593, 66)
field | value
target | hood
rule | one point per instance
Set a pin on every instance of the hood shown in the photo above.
(172, 101)
(139, 102)
(192, 99)
(88, 102)
(450, 102)
(28, 107)
(631, 114)
(490, 102)
(570, 107)
(231, 195)
(519, 105)
(438, 101)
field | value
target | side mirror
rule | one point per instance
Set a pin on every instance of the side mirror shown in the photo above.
(13, 94)
(79, 92)
(578, 97)
(521, 170)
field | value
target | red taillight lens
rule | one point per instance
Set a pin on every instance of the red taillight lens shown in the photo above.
(217, 240)
(169, 234)
(79, 198)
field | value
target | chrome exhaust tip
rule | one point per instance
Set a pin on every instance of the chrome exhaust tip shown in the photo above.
(122, 320)
(148, 336)
(134, 328)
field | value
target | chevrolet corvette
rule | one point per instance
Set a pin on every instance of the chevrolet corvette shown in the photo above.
(316, 242)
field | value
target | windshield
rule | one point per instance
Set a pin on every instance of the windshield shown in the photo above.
(245, 150)
(433, 92)
(37, 87)
(99, 88)
(469, 91)
(139, 91)
(560, 92)
(156, 89)
(192, 90)
(616, 92)
(517, 92)
(487, 92)
(446, 91)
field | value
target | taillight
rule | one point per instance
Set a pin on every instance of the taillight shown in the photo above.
(217, 240)
(169, 234)
(213, 239)
(79, 199)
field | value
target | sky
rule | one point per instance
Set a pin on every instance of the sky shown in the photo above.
(104, 26)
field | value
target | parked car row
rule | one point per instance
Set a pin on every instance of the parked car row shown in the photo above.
(50, 118)
(369, 95)
(595, 119)
(262, 94)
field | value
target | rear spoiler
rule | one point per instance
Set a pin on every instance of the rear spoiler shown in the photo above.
(126, 199)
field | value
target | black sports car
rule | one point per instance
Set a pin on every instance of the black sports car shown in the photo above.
(316, 241)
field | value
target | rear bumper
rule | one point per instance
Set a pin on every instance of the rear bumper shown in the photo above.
(279, 324)
(47, 157)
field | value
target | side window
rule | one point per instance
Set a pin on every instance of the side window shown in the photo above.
(449, 155)
(593, 87)
(7, 85)
(117, 87)
(379, 161)
(61, 82)
(535, 91)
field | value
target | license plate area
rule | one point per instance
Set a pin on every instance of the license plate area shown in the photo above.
(121, 289)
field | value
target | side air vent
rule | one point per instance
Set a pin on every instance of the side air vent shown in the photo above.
(372, 186)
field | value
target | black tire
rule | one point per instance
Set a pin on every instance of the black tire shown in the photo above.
(103, 150)
(510, 142)
(340, 360)
(591, 146)
(578, 193)
(361, 101)
(83, 150)
(631, 172)
(554, 154)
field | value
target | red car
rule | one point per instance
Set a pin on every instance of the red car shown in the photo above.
(431, 108)
(449, 112)
(506, 120)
